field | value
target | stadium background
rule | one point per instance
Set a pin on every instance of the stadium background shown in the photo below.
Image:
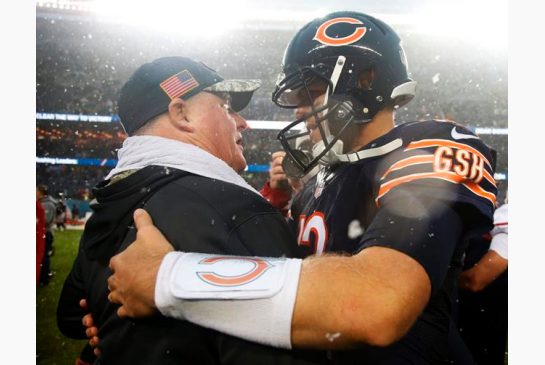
(85, 54)
(82, 61)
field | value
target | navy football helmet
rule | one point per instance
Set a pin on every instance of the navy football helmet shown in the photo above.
(361, 65)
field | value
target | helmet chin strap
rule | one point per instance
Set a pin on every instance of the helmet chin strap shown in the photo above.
(331, 157)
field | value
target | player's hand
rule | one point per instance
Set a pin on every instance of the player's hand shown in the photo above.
(296, 184)
(91, 331)
(132, 283)
(277, 177)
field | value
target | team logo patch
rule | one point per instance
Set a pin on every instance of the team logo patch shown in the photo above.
(234, 279)
(205, 276)
(322, 36)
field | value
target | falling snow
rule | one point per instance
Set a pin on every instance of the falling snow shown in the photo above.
(332, 336)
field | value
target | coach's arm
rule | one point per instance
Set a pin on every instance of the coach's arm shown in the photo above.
(70, 313)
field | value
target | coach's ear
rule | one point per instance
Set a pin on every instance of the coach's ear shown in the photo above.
(178, 115)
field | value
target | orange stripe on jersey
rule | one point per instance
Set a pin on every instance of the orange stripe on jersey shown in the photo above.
(425, 143)
(422, 159)
(409, 161)
(443, 175)
(478, 190)
(489, 177)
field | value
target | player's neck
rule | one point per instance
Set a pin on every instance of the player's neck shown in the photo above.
(381, 124)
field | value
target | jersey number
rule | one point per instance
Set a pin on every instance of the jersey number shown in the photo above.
(316, 225)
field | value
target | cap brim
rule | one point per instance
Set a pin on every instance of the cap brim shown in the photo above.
(235, 86)
(241, 91)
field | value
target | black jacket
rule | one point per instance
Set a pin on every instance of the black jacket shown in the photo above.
(196, 214)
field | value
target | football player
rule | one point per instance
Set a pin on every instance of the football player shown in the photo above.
(393, 205)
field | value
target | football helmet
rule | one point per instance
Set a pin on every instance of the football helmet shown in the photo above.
(361, 66)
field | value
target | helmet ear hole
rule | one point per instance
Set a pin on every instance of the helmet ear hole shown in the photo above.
(366, 78)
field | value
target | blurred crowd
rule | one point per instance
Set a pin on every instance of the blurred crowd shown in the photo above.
(78, 139)
(82, 64)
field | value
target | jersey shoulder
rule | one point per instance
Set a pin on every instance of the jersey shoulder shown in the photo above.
(440, 159)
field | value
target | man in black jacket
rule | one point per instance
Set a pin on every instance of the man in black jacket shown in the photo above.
(180, 162)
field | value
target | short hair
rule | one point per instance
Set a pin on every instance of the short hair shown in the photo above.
(144, 129)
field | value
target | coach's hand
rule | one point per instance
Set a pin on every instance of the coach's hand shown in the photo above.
(132, 283)
(91, 330)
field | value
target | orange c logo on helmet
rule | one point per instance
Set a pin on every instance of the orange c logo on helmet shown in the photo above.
(260, 266)
(322, 37)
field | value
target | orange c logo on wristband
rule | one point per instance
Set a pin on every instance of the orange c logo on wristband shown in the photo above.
(322, 37)
(213, 278)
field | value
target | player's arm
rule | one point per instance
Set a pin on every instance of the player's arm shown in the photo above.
(372, 297)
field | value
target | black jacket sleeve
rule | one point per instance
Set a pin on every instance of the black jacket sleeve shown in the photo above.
(69, 312)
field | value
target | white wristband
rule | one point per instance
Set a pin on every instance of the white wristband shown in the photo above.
(164, 300)
(205, 290)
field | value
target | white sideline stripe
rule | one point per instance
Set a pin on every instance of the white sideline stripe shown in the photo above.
(268, 124)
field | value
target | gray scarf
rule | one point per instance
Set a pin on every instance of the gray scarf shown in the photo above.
(141, 151)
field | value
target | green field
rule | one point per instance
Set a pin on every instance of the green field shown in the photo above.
(52, 348)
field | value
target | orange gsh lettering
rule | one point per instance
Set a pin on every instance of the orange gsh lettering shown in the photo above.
(443, 159)
(463, 163)
(477, 169)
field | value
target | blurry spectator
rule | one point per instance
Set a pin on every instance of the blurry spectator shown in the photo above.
(72, 180)
(60, 215)
(277, 189)
(280, 190)
(49, 206)
(75, 212)
(40, 238)
(483, 294)
(81, 139)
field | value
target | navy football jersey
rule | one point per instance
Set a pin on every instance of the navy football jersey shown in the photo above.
(424, 189)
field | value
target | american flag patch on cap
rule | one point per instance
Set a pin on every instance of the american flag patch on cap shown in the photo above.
(179, 84)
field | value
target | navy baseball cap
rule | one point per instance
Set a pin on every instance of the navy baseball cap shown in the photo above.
(154, 85)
